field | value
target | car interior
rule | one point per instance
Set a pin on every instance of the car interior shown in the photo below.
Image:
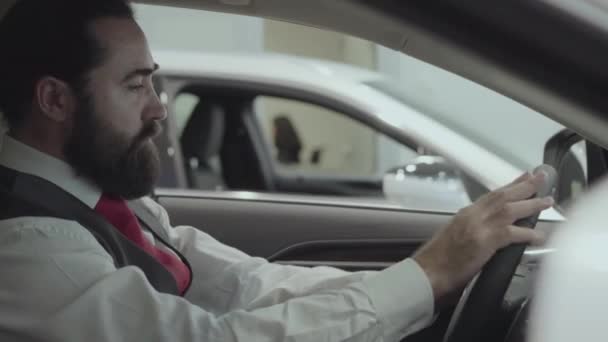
(218, 139)
(201, 142)
(548, 59)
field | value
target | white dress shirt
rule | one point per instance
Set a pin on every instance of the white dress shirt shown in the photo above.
(57, 283)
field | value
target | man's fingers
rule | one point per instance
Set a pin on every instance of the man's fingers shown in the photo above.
(496, 200)
(522, 178)
(527, 175)
(521, 209)
(525, 235)
(523, 190)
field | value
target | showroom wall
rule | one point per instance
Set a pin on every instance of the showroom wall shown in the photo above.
(213, 31)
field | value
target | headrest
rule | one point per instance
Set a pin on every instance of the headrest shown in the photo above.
(203, 135)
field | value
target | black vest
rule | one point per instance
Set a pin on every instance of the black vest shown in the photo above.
(26, 195)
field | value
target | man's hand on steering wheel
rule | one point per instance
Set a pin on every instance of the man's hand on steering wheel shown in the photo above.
(459, 251)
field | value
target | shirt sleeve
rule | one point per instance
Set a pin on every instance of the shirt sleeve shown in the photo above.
(64, 287)
(395, 302)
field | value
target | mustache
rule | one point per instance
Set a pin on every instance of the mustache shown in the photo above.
(151, 130)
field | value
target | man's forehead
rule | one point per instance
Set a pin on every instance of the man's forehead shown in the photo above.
(113, 30)
(124, 42)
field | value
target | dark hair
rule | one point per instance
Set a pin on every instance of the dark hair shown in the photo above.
(40, 38)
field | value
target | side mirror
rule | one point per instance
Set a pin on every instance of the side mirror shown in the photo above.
(567, 153)
(426, 183)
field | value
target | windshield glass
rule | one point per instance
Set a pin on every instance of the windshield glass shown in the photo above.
(501, 125)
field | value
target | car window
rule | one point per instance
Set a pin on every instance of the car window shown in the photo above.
(328, 145)
(313, 140)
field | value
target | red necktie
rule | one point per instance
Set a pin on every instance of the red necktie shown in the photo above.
(117, 212)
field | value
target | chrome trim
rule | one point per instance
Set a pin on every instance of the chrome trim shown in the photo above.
(534, 255)
(347, 202)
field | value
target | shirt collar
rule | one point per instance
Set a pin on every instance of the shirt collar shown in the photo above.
(23, 158)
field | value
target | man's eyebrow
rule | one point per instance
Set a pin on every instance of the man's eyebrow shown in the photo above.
(141, 72)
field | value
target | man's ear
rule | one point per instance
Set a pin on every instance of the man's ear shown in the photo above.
(55, 99)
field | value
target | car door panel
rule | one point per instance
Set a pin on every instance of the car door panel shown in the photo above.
(307, 231)
(350, 255)
(279, 228)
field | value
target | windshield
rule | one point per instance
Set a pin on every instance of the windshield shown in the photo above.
(501, 125)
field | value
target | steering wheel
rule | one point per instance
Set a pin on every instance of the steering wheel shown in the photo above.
(484, 294)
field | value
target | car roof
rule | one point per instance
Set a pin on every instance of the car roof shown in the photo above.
(188, 63)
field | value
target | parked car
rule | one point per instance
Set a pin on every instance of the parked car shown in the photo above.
(268, 123)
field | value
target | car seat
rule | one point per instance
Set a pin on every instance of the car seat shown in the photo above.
(201, 142)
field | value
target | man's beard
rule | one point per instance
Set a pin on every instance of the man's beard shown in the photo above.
(121, 166)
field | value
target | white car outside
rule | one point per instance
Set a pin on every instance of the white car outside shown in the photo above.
(354, 86)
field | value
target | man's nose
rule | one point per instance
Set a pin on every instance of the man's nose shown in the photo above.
(156, 110)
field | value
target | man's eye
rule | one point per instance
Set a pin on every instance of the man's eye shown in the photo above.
(136, 87)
